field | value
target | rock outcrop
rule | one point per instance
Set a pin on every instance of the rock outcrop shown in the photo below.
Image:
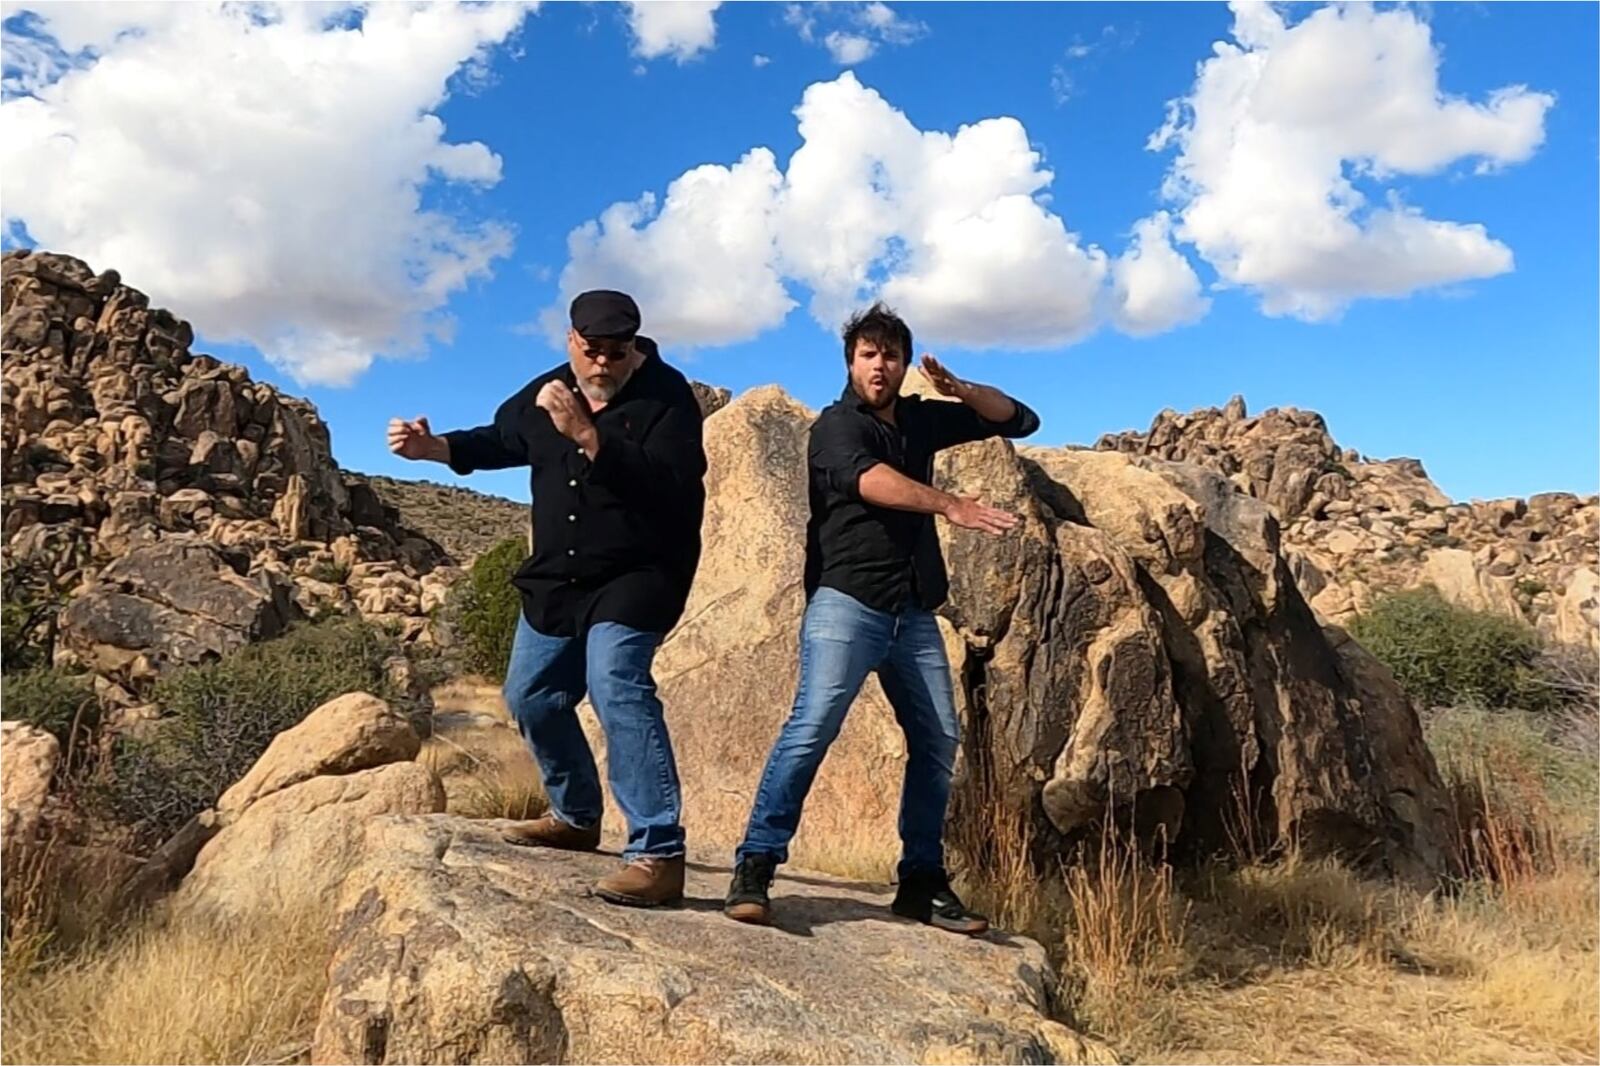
(1138, 643)
(194, 507)
(1355, 528)
(28, 758)
(286, 834)
(453, 946)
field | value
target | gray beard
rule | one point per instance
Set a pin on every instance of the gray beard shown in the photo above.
(600, 393)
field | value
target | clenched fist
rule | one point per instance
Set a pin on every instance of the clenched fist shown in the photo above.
(570, 416)
(414, 440)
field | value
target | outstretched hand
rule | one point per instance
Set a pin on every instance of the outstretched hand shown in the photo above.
(946, 383)
(970, 514)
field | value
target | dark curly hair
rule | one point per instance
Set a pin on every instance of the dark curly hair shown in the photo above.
(880, 325)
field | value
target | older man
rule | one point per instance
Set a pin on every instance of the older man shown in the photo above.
(614, 439)
(874, 575)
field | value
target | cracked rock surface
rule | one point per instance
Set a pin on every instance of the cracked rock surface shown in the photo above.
(453, 946)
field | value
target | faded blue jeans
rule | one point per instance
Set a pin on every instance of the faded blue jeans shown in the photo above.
(842, 640)
(544, 684)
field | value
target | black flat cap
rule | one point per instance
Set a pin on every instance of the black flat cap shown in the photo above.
(604, 313)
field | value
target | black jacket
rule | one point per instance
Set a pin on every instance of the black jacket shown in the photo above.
(887, 559)
(616, 539)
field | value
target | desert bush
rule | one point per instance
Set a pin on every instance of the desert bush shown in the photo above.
(482, 611)
(28, 606)
(50, 698)
(218, 718)
(1443, 654)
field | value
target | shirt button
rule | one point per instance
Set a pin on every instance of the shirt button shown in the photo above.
(572, 551)
(572, 518)
(572, 483)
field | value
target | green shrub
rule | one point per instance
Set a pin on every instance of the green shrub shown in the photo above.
(327, 570)
(51, 699)
(28, 606)
(218, 718)
(1443, 654)
(483, 609)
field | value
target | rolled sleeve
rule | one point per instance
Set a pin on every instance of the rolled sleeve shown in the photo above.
(956, 423)
(841, 450)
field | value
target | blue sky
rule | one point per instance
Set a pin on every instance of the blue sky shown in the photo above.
(1487, 374)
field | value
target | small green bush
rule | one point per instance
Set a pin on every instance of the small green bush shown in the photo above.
(218, 718)
(1444, 655)
(28, 606)
(483, 609)
(329, 571)
(51, 699)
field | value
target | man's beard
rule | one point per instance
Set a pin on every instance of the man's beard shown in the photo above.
(602, 391)
(889, 397)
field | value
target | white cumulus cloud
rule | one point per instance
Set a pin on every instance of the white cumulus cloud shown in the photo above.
(1154, 288)
(698, 262)
(682, 29)
(1285, 127)
(261, 169)
(952, 228)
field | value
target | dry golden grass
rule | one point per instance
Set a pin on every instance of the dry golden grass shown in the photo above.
(1300, 961)
(189, 990)
(1257, 961)
(860, 856)
(483, 762)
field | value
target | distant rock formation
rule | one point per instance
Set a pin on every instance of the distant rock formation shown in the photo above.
(1354, 528)
(178, 507)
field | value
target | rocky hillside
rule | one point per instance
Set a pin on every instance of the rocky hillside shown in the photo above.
(464, 522)
(175, 508)
(1354, 528)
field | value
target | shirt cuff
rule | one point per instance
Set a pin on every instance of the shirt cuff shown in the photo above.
(853, 469)
(461, 452)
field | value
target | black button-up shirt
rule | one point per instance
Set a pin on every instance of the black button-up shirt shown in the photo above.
(616, 539)
(888, 559)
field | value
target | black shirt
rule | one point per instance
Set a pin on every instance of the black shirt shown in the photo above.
(616, 539)
(887, 559)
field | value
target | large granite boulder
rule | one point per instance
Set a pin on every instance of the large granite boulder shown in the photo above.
(28, 758)
(1139, 643)
(453, 946)
(353, 732)
(288, 831)
(174, 601)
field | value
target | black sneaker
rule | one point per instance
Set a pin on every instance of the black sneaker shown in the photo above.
(747, 896)
(926, 896)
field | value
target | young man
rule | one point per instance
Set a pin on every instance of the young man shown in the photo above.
(614, 440)
(874, 575)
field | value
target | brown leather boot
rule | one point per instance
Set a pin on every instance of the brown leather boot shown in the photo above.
(551, 832)
(647, 881)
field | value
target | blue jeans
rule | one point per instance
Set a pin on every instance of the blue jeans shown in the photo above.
(544, 684)
(842, 640)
